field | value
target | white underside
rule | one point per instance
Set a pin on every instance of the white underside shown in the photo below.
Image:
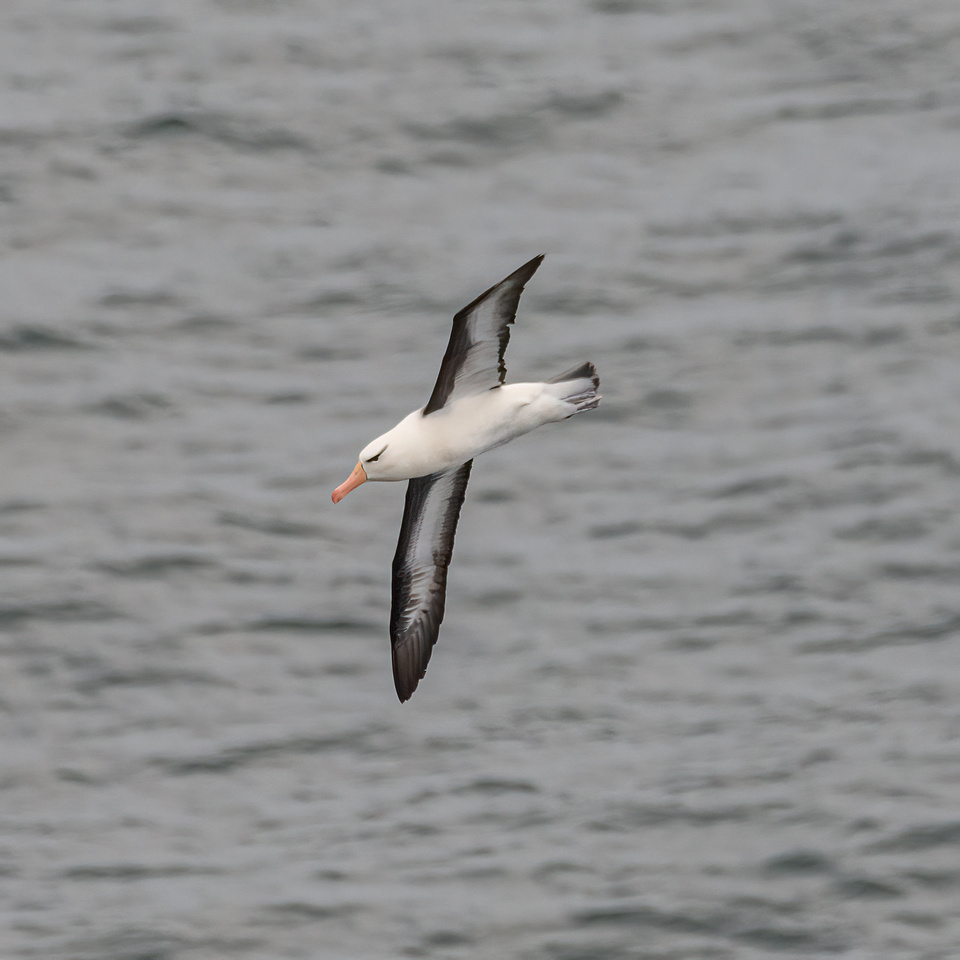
(463, 429)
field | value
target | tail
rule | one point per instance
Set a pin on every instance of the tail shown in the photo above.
(578, 386)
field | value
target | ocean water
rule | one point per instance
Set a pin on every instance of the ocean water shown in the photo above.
(696, 695)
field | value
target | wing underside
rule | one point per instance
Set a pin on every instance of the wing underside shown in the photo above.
(473, 361)
(430, 515)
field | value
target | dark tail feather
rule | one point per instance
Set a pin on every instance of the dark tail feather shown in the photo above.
(582, 392)
(586, 370)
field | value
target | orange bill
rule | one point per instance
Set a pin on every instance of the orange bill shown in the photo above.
(354, 480)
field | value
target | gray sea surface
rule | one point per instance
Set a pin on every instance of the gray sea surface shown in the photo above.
(697, 693)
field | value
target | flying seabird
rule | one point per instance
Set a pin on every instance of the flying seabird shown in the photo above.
(470, 411)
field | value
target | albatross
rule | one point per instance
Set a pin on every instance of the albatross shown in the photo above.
(470, 411)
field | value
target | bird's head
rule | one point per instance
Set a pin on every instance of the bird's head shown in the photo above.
(374, 464)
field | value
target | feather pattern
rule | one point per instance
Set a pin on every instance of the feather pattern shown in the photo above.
(473, 361)
(430, 516)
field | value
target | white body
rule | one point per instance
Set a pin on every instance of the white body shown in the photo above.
(418, 446)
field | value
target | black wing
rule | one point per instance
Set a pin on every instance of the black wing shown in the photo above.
(430, 517)
(474, 358)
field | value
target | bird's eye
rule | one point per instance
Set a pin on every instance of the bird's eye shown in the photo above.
(377, 457)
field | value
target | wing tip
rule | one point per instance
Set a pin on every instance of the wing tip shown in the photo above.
(408, 672)
(528, 269)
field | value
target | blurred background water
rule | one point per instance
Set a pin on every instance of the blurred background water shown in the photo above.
(696, 695)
